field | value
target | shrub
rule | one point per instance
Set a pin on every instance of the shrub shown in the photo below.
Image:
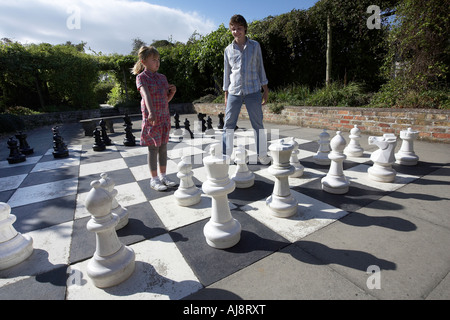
(336, 94)
(20, 111)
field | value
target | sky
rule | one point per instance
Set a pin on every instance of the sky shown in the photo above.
(109, 26)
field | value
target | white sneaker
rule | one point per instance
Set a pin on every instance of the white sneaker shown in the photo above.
(166, 181)
(156, 184)
(265, 159)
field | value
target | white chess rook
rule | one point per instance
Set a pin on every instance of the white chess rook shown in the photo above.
(14, 247)
(406, 155)
(187, 193)
(281, 202)
(354, 149)
(222, 230)
(243, 177)
(335, 181)
(112, 262)
(321, 157)
(108, 184)
(383, 158)
(298, 167)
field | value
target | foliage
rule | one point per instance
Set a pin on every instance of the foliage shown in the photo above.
(20, 111)
(406, 62)
(38, 75)
(416, 66)
(339, 95)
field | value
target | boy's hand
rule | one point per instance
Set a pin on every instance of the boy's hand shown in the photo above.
(172, 89)
(265, 96)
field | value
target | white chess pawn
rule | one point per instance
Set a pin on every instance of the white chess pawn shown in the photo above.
(298, 167)
(108, 184)
(243, 177)
(14, 247)
(281, 202)
(383, 158)
(335, 181)
(187, 193)
(112, 262)
(321, 157)
(406, 155)
(222, 230)
(354, 149)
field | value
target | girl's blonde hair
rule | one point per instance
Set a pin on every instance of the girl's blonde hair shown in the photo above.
(144, 53)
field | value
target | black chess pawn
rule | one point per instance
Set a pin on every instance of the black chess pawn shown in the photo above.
(187, 127)
(176, 117)
(59, 147)
(209, 123)
(99, 145)
(105, 138)
(201, 119)
(221, 123)
(23, 144)
(204, 123)
(15, 156)
(129, 140)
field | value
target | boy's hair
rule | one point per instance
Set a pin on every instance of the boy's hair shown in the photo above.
(239, 20)
(144, 53)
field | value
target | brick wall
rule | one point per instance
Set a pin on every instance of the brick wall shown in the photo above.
(433, 125)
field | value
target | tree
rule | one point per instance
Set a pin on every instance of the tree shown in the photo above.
(419, 43)
(342, 25)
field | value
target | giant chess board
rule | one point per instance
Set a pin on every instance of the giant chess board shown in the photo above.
(173, 260)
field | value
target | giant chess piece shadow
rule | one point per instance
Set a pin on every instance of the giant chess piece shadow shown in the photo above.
(354, 259)
(357, 219)
(146, 279)
(39, 267)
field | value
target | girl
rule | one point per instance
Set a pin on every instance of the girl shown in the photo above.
(156, 94)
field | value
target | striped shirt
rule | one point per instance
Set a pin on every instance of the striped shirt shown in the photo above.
(243, 70)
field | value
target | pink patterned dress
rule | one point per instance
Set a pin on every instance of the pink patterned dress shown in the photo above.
(158, 87)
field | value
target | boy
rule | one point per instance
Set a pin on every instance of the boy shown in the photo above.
(244, 75)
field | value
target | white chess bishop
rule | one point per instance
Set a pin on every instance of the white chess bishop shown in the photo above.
(281, 203)
(383, 158)
(187, 193)
(335, 181)
(14, 247)
(406, 155)
(222, 230)
(112, 262)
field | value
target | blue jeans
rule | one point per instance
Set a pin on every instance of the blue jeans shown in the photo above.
(253, 103)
